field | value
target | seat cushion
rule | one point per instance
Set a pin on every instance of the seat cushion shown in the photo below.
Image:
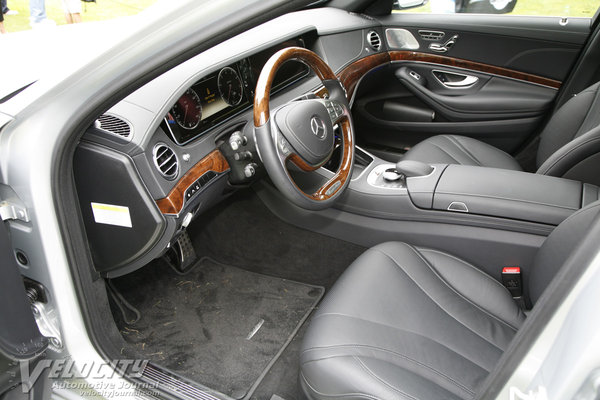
(407, 322)
(448, 149)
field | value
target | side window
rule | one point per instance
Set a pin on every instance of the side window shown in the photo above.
(560, 8)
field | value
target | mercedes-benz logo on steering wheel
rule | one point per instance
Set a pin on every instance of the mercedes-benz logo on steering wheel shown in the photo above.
(317, 126)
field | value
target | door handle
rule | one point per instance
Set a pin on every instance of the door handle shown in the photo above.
(468, 81)
(442, 48)
(453, 80)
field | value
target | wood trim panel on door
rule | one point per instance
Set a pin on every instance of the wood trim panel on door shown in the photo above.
(350, 75)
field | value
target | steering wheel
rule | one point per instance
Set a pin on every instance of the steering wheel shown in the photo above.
(302, 132)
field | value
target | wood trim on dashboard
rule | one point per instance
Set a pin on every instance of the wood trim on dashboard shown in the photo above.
(173, 203)
(472, 65)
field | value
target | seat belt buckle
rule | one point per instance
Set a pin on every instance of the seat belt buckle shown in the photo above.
(511, 279)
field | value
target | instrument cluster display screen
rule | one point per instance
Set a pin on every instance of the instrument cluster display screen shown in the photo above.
(218, 97)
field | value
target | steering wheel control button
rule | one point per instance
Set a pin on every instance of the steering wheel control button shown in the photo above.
(284, 146)
(334, 109)
(307, 126)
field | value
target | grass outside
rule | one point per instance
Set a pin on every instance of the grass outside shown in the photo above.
(559, 8)
(108, 9)
(99, 11)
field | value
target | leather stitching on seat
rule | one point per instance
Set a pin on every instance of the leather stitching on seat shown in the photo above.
(577, 133)
(383, 381)
(461, 147)
(393, 352)
(451, 288)
(455, 291)
(402, 356)
(547, 169)
(445, 152)
(366, 396)
(474, 268)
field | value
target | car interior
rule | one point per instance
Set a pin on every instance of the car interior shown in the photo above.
(344, 201)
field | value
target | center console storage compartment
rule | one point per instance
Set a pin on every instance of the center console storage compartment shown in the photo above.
(504, 193)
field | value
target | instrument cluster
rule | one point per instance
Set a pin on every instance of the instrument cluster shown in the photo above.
(224, 94)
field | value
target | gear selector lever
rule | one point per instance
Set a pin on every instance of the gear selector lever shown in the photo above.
(411, 168)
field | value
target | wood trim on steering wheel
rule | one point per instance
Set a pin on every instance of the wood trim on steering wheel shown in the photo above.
(263, 86)
(345, 169)
(327, 193)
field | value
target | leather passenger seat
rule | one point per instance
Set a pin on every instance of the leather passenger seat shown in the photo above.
(569, 144)
(404, 322)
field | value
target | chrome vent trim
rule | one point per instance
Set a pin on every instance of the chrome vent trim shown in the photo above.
(374, 40)
(165, 160)
(431, 35)
(115, 125)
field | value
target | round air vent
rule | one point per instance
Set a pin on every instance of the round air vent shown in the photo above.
(374, 40)
(165, 160)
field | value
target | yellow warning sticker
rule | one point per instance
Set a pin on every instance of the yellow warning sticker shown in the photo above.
(111, 215)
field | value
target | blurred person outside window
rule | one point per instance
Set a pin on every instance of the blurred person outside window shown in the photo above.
(37, 14)
(5, 9)
(72, 11)
(2, 30)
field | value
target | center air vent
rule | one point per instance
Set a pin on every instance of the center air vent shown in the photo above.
(374, 40)
(165, 160)
(114, 125)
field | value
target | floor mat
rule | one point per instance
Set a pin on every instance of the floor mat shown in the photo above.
(218, 325)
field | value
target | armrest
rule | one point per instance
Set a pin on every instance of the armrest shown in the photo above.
(505, 193)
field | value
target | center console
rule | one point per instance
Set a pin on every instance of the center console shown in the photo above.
(468, 191)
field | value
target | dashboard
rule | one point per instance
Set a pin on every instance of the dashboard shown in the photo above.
(218, 97)
(164, 154)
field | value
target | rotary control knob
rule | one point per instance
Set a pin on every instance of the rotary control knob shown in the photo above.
(243, 155)
(250, 170)
(236, 140)
(391, 175)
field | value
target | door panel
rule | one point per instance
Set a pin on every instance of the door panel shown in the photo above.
(493, 78)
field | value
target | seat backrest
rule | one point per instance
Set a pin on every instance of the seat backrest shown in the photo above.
(570, 139)
(558, 247)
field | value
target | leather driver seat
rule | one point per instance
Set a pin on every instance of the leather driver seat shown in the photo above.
(416, 323)
(569, 144)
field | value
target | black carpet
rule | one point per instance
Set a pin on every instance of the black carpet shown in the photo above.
(243, 231)
(198, 324)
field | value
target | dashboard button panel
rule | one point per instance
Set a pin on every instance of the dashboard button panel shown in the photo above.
(198, 184)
